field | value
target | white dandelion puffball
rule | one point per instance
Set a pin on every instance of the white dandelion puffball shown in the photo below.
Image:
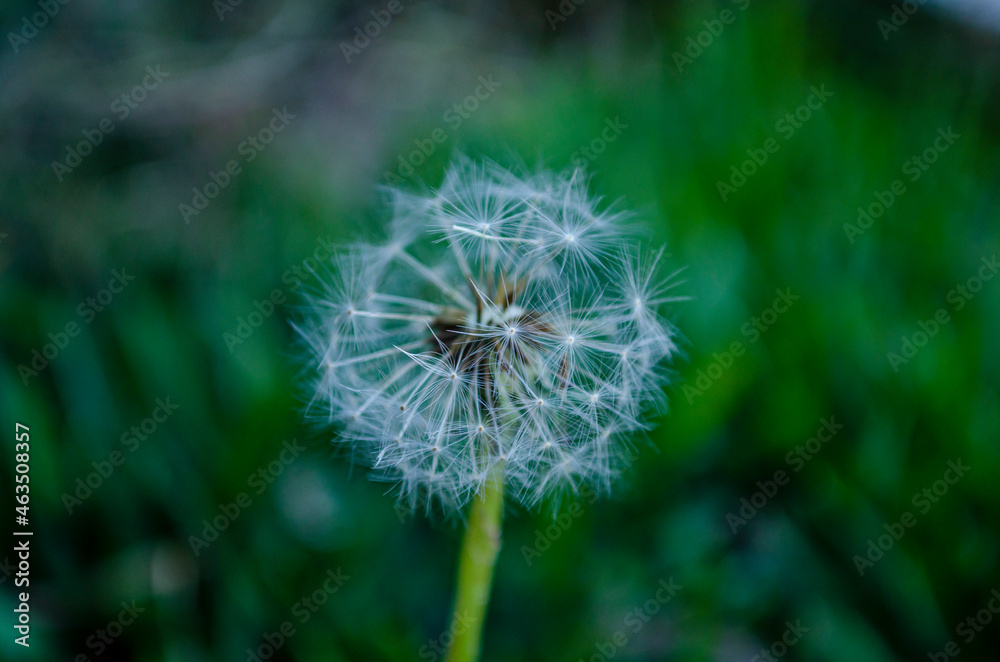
(505, 330)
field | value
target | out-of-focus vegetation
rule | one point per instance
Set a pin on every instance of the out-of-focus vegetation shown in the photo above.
(748, 396)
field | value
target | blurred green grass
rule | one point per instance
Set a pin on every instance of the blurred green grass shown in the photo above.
(826, 356)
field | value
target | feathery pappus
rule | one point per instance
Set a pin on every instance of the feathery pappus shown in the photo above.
(505, 329)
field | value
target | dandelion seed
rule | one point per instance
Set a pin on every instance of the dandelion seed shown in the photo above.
(503, 328)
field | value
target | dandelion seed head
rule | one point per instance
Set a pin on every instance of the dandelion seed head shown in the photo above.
(506, 325)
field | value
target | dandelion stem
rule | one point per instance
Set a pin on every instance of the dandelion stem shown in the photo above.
(477, 558)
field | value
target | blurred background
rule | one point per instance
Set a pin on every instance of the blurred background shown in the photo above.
(828, 173)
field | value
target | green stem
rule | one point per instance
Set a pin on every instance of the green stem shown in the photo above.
(480, 548)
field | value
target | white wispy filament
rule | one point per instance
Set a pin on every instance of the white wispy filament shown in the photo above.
(504, 328)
